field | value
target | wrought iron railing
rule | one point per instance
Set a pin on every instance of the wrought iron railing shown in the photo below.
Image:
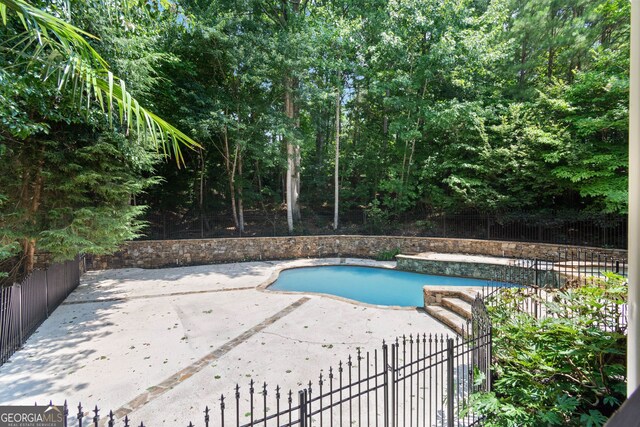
(24, 306)
(595, 230)
(415, 380)
(539, 280)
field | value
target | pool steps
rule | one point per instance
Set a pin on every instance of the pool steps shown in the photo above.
(450, 306)
(448, 317)
(458, 306)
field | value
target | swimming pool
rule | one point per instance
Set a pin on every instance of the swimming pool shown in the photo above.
(371, 285)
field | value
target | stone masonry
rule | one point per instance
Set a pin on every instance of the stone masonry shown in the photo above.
(170, 253)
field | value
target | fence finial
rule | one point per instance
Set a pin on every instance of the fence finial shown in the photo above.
(80, 414)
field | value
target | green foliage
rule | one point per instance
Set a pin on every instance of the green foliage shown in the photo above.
(88, 181)
(498, 105)
(495, 106)
(560, 369)
(377, 219)
(70, 176)
(47, 45)
(388, 255)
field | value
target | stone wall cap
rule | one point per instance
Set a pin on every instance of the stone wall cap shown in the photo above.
(451, 257)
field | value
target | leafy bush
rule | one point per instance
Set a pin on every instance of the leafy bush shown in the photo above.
(378, 219)
(566, 368)
(387, 255)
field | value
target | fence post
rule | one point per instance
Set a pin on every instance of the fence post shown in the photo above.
(46, 290)
(450, 393)
(489, 358)
(385, 364)
(19, 289)
(302, 399)
(393, 385)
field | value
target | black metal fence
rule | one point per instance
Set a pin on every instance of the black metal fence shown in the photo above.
(538, 282)
(417, 380)
(559, 270)
(24, 306)
(567, 229)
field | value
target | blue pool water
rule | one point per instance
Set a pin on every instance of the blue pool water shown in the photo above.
(380, 286)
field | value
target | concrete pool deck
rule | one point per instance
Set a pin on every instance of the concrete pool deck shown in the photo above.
(160, 345)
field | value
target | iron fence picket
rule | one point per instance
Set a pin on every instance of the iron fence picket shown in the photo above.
(440, 370)
(400, 372)
(595, 230)
(24, 306)
(33, 298)
(10, 339)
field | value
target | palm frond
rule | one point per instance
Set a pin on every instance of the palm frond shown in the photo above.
(59, 45)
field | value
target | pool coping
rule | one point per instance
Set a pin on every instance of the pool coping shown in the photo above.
(263, 287)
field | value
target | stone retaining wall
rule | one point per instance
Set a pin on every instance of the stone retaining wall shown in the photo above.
(470, 269)
(167, 253)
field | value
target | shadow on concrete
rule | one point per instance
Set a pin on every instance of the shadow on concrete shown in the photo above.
(54, 350)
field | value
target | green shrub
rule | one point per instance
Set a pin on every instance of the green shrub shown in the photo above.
(564, 369)
(378, 219)
(387, 255)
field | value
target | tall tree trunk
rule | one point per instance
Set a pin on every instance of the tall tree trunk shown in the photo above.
(404, 162)
(201, 195)
(354, 114)
(240, 204)
(297, 217)
(411, 153)
(231, 172)
(336, 194)
(32, 185)
(289, 187)
(259, 178)
(293, 159)
(523, 60)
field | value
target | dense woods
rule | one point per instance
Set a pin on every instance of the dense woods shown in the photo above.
(300, 106)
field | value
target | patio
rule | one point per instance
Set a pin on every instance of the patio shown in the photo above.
(160, 345)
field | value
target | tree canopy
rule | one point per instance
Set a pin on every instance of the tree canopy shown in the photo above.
(434, 106)
(450, 106)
